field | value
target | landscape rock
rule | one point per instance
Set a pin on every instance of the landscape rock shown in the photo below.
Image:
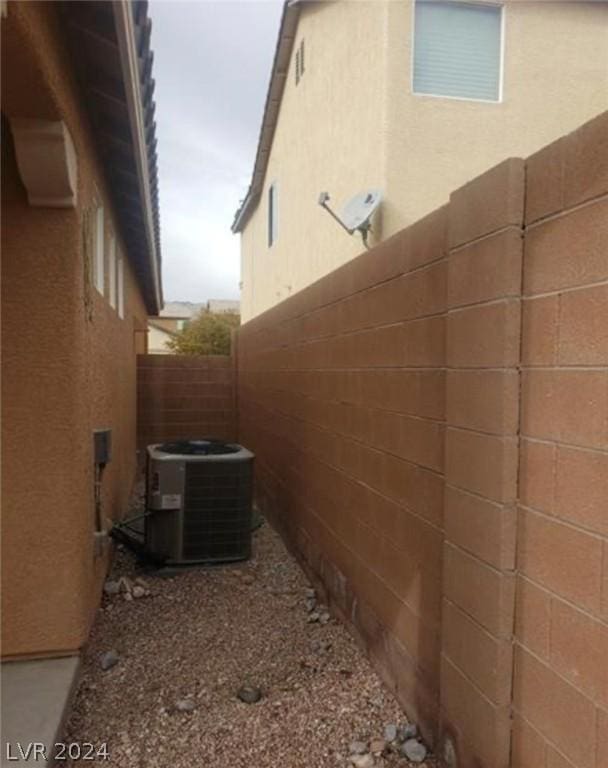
(377, 746)
(313, 617)
(230, 636)
(128, 596)
(311, 604)
(249, 694)
(390, 733)
(414, 750)
(324, 617)
(409, 731)
(111, 587)
(248, 579)
(138, 591)
(108, 660)
(320, 646)
(357, 748)
(362, 761)
(449, 753)
(185, 705)
(310, 593)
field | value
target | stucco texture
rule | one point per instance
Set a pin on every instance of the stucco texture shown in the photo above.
(352, 122)
(68, 365)
(329, 137)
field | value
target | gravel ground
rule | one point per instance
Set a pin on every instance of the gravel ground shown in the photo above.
(199, 636)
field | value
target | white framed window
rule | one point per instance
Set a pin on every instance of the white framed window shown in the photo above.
(300, 61)
(98, 249)
(112, 277)
(120, 286)
(182, 325)
(458, 50)
(273, 214)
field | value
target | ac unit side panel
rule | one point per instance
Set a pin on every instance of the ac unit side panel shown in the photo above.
(165, 484)
(164, 535)
(164, 505)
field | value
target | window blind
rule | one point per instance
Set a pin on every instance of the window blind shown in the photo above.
(99, 254)
(457, 49)
(273, 227)
(112, 271)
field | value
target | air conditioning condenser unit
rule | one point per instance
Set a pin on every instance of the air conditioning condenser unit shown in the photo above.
(198, 502)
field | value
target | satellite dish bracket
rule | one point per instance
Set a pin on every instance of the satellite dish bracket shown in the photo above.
(363, 228)
(323, 199)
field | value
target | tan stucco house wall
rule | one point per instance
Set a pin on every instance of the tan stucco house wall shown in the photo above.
(158, 337)
(69, 360)
(353, 122)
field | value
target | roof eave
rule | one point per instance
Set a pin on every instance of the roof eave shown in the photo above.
(274, 95)
(129, 60)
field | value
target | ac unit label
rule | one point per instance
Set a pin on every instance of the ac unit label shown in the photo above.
(171, 501)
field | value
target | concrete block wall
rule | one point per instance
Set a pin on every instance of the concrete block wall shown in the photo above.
(342, 397)
(185, 396)
(561, 631)
(482, 394)
(430, 423)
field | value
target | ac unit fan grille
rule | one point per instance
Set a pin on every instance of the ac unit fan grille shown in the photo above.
(217, 511)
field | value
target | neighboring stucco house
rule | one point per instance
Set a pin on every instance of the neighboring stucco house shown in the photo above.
(223, 306)
(159, 337)
(172, 319)
(175, 317)
(414, 98)
(80, 275)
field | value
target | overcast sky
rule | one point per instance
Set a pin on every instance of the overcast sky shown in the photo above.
(212, 63)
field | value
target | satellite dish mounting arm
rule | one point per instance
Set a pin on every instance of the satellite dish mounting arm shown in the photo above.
(323, 199)
(358, 211)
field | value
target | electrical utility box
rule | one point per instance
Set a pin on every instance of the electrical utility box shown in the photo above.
(102, 446)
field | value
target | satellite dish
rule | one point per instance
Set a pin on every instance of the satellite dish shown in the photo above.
(357, 212)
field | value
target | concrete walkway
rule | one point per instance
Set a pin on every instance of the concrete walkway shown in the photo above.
(35, 697)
